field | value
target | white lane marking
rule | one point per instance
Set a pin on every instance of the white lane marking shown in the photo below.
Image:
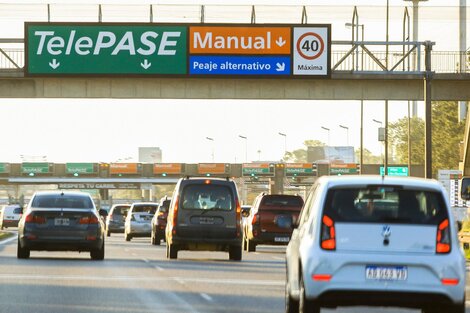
(146, 261)
(182, 280)
(205, 296)
(158, 268)
(8, 240)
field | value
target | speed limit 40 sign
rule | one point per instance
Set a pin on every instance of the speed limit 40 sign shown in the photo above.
(311, 49)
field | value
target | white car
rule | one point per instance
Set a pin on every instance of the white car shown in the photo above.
(10, 215)
(139, 220)
(375, 241)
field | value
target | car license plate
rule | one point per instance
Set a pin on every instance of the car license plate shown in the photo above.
(61, 222)
(206, 220)
(386, 272)
(281, 239)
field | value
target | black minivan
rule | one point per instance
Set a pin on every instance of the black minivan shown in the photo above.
(204, 215)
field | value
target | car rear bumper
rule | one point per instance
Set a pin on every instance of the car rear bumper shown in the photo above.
(61, 244)
(348, 276)
(10, 223)
(272, 238)
(394, 298)
(217, 244)
(115, 227)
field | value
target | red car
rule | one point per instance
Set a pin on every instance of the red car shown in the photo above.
(271, 220)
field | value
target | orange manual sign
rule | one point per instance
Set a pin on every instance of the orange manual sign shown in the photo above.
(124, 168)
(240, 40)
(167, 168)
(211, 168)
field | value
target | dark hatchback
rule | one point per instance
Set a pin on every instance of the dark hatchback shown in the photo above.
(204, 215)
(61, 221)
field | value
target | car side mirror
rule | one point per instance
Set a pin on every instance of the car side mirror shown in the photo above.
(465, 188)
(103, 212)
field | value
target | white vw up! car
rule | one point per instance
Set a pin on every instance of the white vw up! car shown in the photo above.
(373, 240)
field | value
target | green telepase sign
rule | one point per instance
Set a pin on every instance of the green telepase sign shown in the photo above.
(105, 49)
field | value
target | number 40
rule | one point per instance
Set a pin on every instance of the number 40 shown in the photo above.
(313, 45)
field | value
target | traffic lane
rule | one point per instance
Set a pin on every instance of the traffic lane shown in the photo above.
(254, 285)
(260, 273)
(124, 282)
(71, 282)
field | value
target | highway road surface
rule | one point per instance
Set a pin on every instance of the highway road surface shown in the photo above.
(135, 277)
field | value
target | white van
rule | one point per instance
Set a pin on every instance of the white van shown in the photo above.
(10, 215)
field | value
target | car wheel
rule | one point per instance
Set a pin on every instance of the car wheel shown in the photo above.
(22, 253)
(97, 254)
(250, 245)
(235, 253)
(292, 306)
(306, 305)
(128, 237)
(172, 251)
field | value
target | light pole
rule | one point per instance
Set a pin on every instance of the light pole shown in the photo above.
(328, 130)
(285, 142)
(211, 139)
(246, 147)
(347, 133)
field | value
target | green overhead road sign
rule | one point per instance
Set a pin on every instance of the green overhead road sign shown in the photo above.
(4, 168)
(105, 49)
(395, 170)
(299, 169)
(80, 168)
(257, 169)
(35, 168)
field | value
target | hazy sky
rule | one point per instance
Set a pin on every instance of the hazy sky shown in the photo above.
(110, 129)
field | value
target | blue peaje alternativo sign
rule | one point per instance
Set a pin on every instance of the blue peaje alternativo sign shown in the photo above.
(239, 65)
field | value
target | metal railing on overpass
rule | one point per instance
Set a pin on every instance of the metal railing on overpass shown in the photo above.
(360, 57)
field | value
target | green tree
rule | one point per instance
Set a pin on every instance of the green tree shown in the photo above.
(447, 132)
(300, 155)
(368, 157)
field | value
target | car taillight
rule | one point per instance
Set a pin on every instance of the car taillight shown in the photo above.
(255, 219)
(89, 220)
(328, 236)
(443, 237)
(31, 218)
(175, 216)
(239, 217)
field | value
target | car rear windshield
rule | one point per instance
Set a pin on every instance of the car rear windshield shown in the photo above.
(207, 196)
(279, 200)
(17, 211)
(164, 206)
(385, 204)
(62, 201)
(120, 210)
(150, 209)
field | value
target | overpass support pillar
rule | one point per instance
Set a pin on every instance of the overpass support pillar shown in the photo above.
(104, 194)
(146, 195)
(428, 111)
(276, 184)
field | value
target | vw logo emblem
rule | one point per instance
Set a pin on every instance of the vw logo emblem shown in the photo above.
(386, 231)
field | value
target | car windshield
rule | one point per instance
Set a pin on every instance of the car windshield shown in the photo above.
(385, 204)
(147, 208)
(208, 196)
(62, 201)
